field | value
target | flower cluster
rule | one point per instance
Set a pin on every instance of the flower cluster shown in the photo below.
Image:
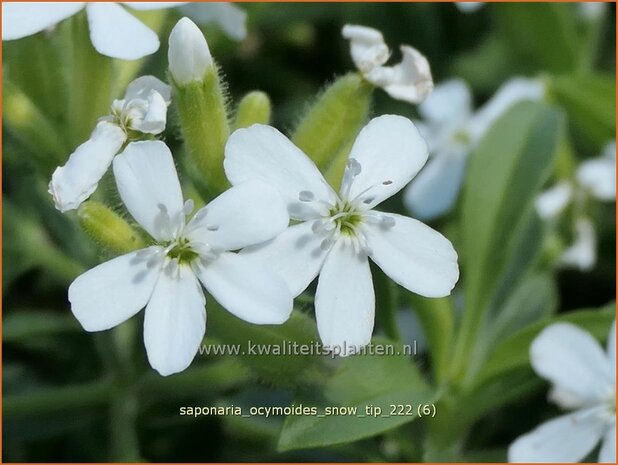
(594, 179)
(332, 234)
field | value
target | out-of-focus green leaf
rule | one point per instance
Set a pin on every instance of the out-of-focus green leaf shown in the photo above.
(512, 353)
(279, 366)
(26, 324)
(505, 174)
(543, 33)
(590, 101)
(360, 382)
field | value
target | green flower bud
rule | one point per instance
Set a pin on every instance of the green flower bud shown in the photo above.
(108, 229)
(334, 119)
(199, 97)
(254, 108)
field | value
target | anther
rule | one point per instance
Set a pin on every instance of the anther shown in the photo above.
(188, 206)
(212, 227)
(387, 183)
(306, 196)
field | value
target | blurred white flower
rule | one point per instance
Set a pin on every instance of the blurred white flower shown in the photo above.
(453, 131)
(410, 80)
(594, 178)
(165, 278)
(143, 110)
(469, 7)
(583, 379)
(188, 54)
(114, 31)
(337, 233)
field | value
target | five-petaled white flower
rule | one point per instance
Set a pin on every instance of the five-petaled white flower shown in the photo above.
(338, 232)
(453, 131)
(166, 277)
(142, 110)
(594, 179)
(409, 80)
(114, 31)
(583, 379)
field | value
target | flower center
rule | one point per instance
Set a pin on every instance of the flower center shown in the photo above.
(344, 217)
(181, 251)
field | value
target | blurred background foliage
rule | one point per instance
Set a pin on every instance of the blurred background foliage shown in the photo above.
(73, 396)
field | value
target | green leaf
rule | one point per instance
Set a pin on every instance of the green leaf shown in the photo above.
(512, 353)
(590, 101)
(505, 174)
(544, 34)
(276, 367)
(360, 382)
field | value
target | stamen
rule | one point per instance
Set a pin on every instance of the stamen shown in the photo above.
(306, 196)
(388, 221)
(352, 169)
(188, 206)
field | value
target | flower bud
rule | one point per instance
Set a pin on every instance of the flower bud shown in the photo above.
(188, 53)
(334, 120)
(107, 228)
(254, 108)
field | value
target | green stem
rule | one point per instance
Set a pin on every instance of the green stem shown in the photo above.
(438, 321)
(387, 304)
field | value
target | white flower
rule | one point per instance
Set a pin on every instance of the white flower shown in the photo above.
(188, 54)
(453, 132)
(469, 7)
(594, 178)
(583, 379)
(165, 278)
(409, 80)
(337, 233)
(113, 30)
(143, 109)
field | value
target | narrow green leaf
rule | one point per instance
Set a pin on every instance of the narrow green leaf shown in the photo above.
(505, 174)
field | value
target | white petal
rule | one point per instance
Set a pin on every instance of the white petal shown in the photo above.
(144, 85)
(434, 190)
(344, 300)
(608, 449)
(513, 91)
(263, 153)
(230, 18)
(175, 321)
(553, 201)
(153, 5)
(449, 101)
(148, 185)
(22, 19)
(469, 7)
(582, 254)
(247, 214)
(295, 255)
(390, 151)
(409, 81)
(118, 34)
(74, 182)
(414, 256)
(188, 53)
(566, 439)
(573, 362)
(592, 11)
(249, 290)
(114, 291)
(598, 175)
(154, 119)
(367, 47)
